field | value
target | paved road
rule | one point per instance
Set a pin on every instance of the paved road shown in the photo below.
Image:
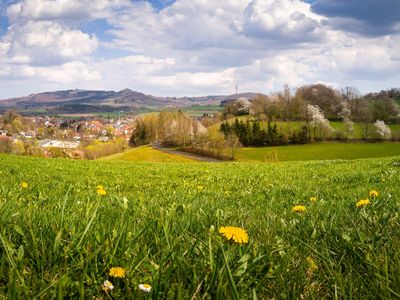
(158, 146)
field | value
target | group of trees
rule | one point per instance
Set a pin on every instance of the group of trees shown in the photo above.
(316, 105)
(251, 133)
(168, 128)
(289, 105)
(13, 122)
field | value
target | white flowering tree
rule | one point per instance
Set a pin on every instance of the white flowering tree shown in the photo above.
(317, 121)
(383, 130)
(345, 114)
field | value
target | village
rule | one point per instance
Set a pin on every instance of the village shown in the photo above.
(58, 136)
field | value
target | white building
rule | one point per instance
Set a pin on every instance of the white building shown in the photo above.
(59, 144)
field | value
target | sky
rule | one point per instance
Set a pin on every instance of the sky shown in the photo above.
(197, 47)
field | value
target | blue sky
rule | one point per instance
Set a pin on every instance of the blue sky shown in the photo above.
(197, 47)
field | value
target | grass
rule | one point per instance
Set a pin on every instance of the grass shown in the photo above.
(199, 110)
(160, 222)
(147, 153)
(322, 151)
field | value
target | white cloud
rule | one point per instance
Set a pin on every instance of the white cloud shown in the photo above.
(193, 47)
(285, 21)
(62, 9)
(47, 43)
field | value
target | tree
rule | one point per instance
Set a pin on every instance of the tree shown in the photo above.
(259, 107)
(317, 121)
(383, 130)
(326, 98)
(140, 135)
(345, 115)
(365, 117)
(5, 144)
(352, 96)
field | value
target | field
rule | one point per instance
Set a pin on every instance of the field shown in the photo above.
(320, 151)
(61, 233)
(147, 154)
(199, 110)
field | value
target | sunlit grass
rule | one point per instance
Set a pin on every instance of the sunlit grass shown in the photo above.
(319, 151)
(60, 239)
(147, 154)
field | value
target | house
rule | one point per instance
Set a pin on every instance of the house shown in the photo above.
(58, 144)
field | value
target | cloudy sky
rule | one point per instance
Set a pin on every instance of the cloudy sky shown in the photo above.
(197, 47)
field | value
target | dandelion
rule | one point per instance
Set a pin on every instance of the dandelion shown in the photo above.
(363, 202)
(237, 234)
(200, 187)
(145, 287)
(24, 185)
(311, 262)
(299, 208)
(107, 286)
(117, 272)
(313, 199)
(101, 191)
(374, 193)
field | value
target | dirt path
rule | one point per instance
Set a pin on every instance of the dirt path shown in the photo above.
(184, 154)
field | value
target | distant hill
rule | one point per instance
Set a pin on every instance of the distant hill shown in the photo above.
(77, 100)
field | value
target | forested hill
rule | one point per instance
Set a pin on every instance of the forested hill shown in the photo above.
(125, 99)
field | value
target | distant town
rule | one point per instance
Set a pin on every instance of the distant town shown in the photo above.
(57, 136)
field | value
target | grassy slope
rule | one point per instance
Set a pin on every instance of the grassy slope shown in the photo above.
(59, 238)
(147, 153)
(319, 151)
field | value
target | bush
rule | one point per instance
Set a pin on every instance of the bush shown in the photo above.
(98, 149)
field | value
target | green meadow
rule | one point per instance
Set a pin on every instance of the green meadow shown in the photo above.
(318, 151)
(160, 222)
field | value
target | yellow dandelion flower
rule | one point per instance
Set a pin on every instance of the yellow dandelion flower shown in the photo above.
(117, 272)
(145, 287)
(311, 262)
(374, 193)
(363, 202)
(313, 199)
(299, 208)
(107, 286)
(237, 234)
(200, 187)
(101, 192)
(24, 185)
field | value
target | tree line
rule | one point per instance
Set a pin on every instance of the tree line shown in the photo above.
(291, 104)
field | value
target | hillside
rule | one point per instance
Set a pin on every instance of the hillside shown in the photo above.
(147, 154)
(77, 101)
(62, 235)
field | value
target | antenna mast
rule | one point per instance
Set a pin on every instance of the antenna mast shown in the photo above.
(236, 91)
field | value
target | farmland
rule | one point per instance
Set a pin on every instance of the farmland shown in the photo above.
(60, 237)
(319, 151)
